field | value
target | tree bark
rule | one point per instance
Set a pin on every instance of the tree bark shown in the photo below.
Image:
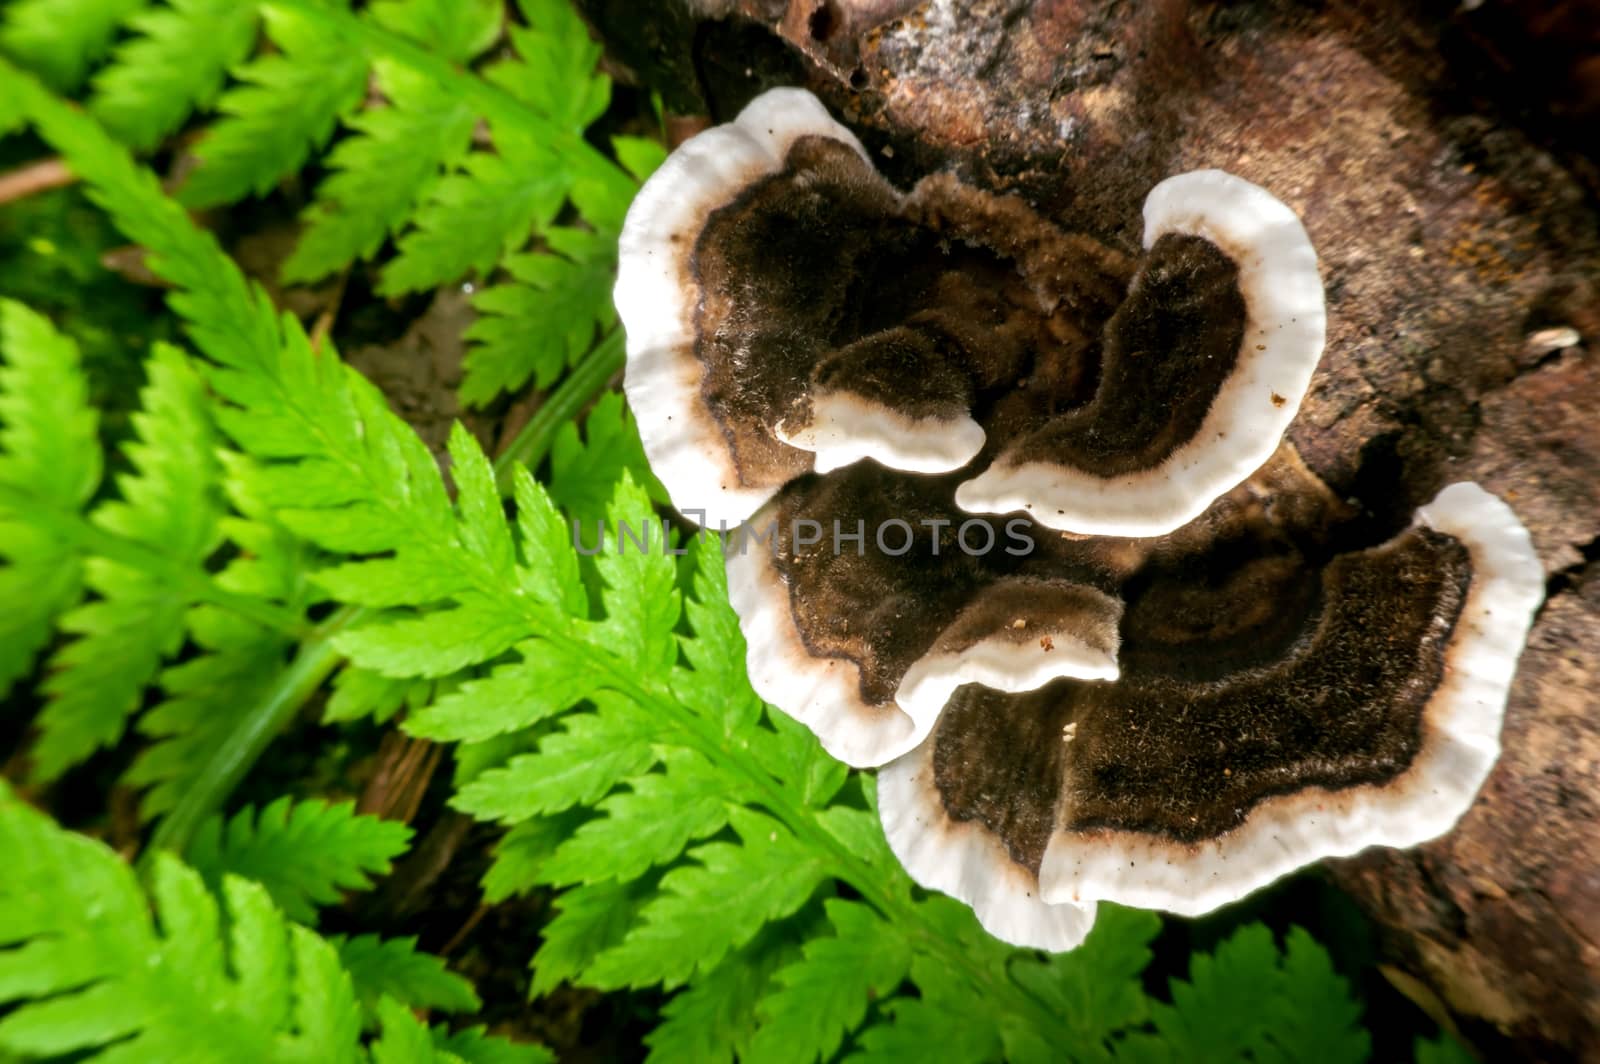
(1433, 155)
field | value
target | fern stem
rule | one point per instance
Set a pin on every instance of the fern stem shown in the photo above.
(312, 665)
(846, 866)
(576, 390)
(317, 660)
(186, 582)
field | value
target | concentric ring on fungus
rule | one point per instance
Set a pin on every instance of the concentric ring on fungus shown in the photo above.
(1169, 676)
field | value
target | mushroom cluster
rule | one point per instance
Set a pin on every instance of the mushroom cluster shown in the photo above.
(1013, 519)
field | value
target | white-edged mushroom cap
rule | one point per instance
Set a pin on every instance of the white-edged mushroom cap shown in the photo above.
(862, 614)
(1460, 729)
(1040, 639)
(823, 693)
(1283, 338)
(844, 428)
(657, 298)
(969, 863)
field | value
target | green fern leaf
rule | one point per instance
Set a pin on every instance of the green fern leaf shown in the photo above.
(472, 218)
(647, 825)
(547, 316)
(49, 460)
(512, 697)
(714, 1019)
(584, 472)
(88, 968)
(641, 597)
(714, 905)
(392, 969)
(361, 693)
(207, 697)
(288, 104)
(554, 72)
(458, 30)
(939, 1021)
(717, 686)
(1096, 990)
(438, 643)
(302, 853)
(522, 852)
(1315, 1016)
(61, 39)
(824, 996)
(1300, 1010)
(472, 1046)
(381, 172)
(405, 1040)
(169, 503)
(202, 703)
(591, 920)
(177, 62)
(574, 766)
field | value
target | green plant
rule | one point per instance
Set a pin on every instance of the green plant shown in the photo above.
(274, 523)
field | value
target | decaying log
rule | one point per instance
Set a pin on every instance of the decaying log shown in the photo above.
(1432, 156)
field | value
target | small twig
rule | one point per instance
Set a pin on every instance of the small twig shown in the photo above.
(41, 176)
(324, 323)
(466, 929)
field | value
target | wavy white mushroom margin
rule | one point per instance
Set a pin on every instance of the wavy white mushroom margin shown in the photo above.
(824, 693)
(1283, 343)
(657, 305)
(1285, 329)
(1459, 746)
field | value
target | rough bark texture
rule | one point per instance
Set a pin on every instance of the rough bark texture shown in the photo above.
(1435, 156)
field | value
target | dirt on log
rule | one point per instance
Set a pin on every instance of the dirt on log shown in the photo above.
(1436, 156)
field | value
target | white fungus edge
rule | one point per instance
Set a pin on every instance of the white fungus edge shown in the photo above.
(687, 449)
(1001, 664)
(822, 693)
(846, 428)
(1286, 316)
(969, 863)
(1461, 742)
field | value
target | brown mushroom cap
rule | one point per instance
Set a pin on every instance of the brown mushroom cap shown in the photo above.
(787, 310)
(1192, 688)
(866, 598)
(1363, 709)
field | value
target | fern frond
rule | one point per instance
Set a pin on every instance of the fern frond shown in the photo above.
(240, 659)
(584, 471)
(288, 105)
(61, 39)
(361, 693)
(537, 325)
(1300, 1009)
(239, 662)
(554, 69)
(84, 966)
(381, 172)
(169, 503)
(393, 968)
(458, 30)
(302, 853)
(715, 1020)
(176, 61)
(825, 993)
(49, 460)
(486, 210)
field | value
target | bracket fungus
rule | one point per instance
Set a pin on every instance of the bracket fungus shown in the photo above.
(1017, 524)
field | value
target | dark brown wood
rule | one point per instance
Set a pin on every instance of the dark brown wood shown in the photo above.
(1434, 155)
